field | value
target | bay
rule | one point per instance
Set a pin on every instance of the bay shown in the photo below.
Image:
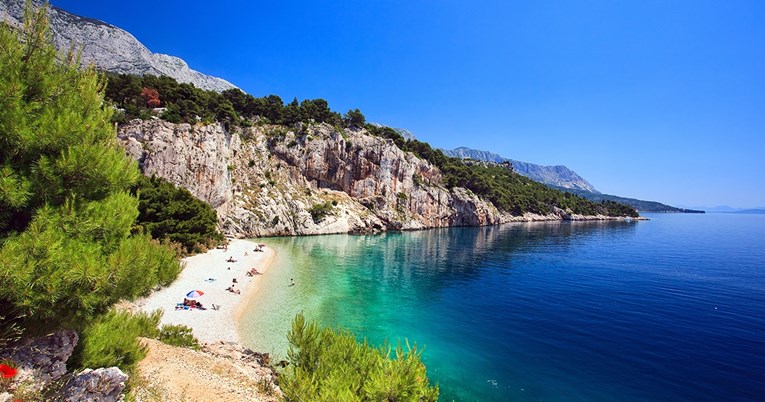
(669, 309)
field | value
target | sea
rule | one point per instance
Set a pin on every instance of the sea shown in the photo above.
(669, 309)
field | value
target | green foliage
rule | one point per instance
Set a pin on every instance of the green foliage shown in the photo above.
(66, 249)
(56, 137)
(167, 211)
(187, 103)
(327, 365)
(111, 340)
(354, 118)
(178, 335)
(320, 211)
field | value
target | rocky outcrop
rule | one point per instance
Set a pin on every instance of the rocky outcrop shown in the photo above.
(110, 48)
(101, 385)
(311, 179)
(42, 360)
(308, 179)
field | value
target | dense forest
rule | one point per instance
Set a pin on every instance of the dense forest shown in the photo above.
(137, 97)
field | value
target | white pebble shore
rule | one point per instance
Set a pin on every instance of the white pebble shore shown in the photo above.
(212, 325)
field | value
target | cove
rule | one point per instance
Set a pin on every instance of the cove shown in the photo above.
(669, 309)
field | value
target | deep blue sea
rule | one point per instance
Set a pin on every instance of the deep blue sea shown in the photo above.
(671, 309)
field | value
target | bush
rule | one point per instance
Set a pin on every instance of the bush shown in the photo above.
(178, 335)
(112, 339)
(327, 365)
(320, 211)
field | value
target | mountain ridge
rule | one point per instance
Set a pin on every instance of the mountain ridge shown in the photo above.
(111, 48)
(556, 175)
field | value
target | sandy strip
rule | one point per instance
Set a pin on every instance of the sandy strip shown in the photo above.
(212, 325)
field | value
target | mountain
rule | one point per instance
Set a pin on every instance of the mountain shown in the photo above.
(757, 211)
(640, 205)
(564, 179)
(408, 135)
(557, 176)
(110, 48)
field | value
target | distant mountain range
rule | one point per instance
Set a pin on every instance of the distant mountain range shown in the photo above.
(731, 210)
(565, 179)
(556, 176)
(640, 205)
(110, 48)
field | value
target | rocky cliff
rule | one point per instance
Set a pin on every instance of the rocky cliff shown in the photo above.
(558, 176)
(110, 48)
(310, 179)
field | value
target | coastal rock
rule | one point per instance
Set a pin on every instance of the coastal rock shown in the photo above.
(110, 48)
(101, 385)
(42, 360)
(309, 179)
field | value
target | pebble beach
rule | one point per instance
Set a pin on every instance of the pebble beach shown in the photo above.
(212, 274)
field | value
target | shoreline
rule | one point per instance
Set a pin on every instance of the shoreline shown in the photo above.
(221, 325)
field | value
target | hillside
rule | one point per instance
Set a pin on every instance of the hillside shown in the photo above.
(640, 205)
(110, 48)
(559, 176)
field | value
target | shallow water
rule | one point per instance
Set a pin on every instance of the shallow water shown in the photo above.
(672, 309)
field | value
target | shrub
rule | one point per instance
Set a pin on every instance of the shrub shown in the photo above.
(178, 335)
(328, 365)
(112, 339)
(320, 211)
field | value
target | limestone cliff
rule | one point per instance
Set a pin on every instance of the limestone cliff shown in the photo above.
(311, 179)
(265, 180)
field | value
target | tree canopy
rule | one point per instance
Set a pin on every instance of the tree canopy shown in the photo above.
(66, 213)
(137, 96)
(169, 212)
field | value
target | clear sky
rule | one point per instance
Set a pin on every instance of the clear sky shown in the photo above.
(658, 100)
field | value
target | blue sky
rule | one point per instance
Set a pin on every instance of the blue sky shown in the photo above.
(658, 100)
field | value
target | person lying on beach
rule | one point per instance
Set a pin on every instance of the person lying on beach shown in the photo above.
(231, 259)
(232, 290)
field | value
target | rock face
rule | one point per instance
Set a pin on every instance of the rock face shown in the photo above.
(110, 48)
(311, 179)
(42, 360)
(101, 385)
(558, 176)
(308, 179)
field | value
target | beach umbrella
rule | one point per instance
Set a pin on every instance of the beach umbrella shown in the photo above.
(194, 294)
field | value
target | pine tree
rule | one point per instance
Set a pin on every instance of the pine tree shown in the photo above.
(66, 249)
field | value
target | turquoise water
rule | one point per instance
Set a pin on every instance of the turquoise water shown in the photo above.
(672, 309)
